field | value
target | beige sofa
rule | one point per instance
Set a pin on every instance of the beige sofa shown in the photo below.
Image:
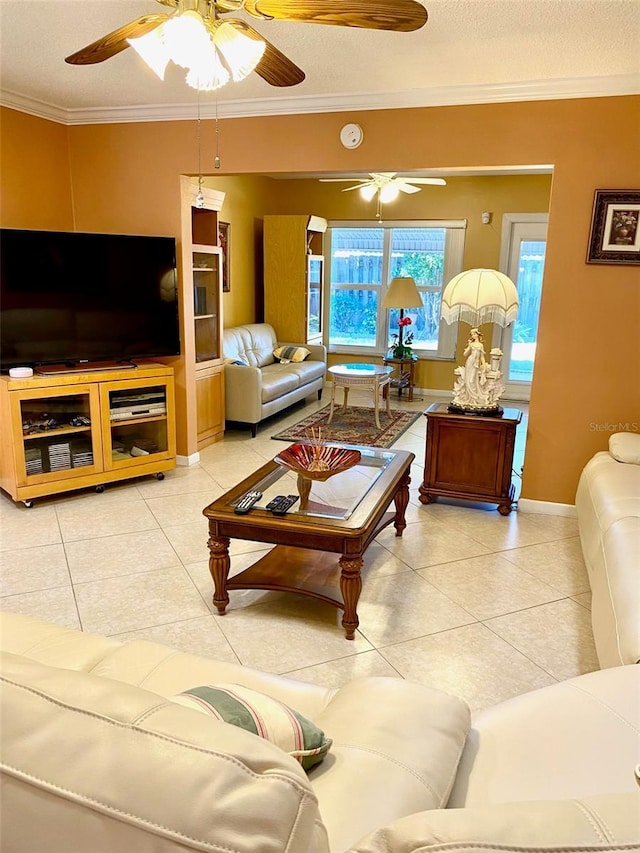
(97, 755)
(260, 385)
(608, 508)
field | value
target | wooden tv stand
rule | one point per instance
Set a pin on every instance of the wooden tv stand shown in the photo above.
(69, 431)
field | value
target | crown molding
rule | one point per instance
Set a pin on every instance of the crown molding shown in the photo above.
(534, 90)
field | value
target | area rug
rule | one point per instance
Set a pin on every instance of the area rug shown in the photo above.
(354, 425)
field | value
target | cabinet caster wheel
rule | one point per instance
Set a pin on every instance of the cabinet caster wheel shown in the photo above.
(99, 490)
(159, 476)
(28, 504)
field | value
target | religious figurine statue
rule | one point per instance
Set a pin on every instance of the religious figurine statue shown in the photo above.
(478, 385)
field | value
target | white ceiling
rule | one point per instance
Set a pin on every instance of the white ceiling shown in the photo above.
(470, 51)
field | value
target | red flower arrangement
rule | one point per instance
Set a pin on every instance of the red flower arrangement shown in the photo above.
(401, 344)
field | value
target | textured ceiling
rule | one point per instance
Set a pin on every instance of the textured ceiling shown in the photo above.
(469, 51)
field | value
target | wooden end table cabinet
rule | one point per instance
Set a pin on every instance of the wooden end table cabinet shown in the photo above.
(469, 456)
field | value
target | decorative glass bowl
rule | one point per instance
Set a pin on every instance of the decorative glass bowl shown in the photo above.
(317, 461)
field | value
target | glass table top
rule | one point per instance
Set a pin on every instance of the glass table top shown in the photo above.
(336, 497)
(360, 370)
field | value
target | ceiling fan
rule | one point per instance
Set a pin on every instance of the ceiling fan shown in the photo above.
(271, 64)
(387, 184)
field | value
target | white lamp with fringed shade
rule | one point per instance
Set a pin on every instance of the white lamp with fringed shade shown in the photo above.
(480, 296)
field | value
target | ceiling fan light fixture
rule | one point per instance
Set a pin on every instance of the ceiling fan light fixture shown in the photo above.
(368, 191)
(389, 192)
(240, 53)
(187, 40)
(208, 73)
(151, 48)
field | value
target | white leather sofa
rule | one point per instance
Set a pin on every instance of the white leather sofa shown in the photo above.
(261, 385)
(98, 756)
(608, 508)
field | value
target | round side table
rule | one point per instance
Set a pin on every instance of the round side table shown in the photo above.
(370, 376)
(405, 378)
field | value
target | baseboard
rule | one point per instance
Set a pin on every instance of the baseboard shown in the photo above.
(546, 508)
(188, 460)
(433, 392)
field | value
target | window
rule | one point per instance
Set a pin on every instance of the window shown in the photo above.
(365, 256)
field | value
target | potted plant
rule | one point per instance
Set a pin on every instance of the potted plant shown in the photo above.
(401, 343)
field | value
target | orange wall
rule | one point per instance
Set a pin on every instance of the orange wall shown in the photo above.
(35, 179)
(126, 178)
(247, 198)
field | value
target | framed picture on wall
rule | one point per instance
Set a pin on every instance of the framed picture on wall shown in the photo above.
(615, 228)
(223, 241)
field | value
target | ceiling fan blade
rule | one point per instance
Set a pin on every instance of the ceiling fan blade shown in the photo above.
(437, 182)
(274, 67)
(357, 187)
(113, 43)
(343, 180)
(405, 188)
(398, 15)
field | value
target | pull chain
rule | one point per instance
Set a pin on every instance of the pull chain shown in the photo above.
(216, 159)
(199, 194)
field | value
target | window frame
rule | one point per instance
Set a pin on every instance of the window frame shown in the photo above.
(453, 264)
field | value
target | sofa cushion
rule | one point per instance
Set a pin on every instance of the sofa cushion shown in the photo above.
(307, 371)
(295, 354)
(277, 380)
(261, 715)
(608, 822)
(556, 734)
(625, 447)
(615, 605)
(607, 491)
(253, 344)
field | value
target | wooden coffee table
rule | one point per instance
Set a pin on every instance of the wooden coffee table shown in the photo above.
(343, 516)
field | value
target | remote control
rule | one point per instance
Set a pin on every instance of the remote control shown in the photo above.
(284, 505)
(275, 502)
(246, 502)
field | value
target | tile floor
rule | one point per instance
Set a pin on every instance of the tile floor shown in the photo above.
(468, 601)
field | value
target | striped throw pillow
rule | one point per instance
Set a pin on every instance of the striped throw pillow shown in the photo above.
(261, 715)
(287, 354)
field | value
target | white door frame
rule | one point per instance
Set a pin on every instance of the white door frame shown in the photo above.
(515, 228)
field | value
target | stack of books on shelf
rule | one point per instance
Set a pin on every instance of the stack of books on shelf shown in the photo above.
(59, 456)
(81, 454)
(33, 458)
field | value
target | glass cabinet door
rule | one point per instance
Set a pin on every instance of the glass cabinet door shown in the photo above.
(138, 419)
(58, 435)
(315, 277)
(206, 302)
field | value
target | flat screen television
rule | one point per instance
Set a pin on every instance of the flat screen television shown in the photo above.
(69, 298)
